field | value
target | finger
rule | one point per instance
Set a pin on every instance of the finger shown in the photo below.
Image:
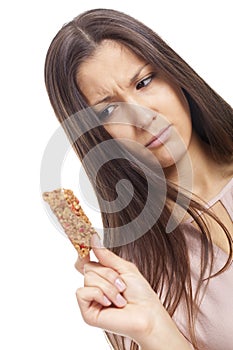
(91, 279)
(106, 273)
(86, 296)
(80, 263)
(109, 259)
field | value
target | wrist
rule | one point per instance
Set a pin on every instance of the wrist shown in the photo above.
(162, 334)
(173, 343)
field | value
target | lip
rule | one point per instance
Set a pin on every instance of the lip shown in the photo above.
(160, 138)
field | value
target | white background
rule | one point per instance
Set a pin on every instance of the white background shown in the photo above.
(38, 308)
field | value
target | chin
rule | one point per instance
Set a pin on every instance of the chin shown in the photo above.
(167, 163)
(165, 158)
(168, 160)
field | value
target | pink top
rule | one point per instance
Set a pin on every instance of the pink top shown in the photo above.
(214, 325)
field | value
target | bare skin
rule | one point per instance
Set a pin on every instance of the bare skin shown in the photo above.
(107, 76)
(113, 75)
(117, 298)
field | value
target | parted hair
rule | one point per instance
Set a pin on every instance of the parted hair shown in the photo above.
(162, 258)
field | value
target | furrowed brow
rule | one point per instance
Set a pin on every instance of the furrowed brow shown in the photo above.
(105, 99)
(132, 80)
(136, 75)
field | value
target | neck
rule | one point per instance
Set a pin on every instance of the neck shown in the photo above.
(199, 172)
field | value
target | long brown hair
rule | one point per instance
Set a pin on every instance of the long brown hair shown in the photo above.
(162, 258)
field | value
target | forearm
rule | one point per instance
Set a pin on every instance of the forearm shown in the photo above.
(163, 334)
(173, 342)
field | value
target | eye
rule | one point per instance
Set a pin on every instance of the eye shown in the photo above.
(144, 82)
(105, 113)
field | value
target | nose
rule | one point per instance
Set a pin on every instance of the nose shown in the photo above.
(137, 115)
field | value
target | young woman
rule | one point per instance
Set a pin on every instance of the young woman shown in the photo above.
(166, 280)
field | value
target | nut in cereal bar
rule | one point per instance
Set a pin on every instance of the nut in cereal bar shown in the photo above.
(72, 218)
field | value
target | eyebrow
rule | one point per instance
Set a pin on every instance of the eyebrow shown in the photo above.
(133, 79)
(136, 75)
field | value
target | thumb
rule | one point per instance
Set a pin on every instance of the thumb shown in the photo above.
(79, 264)
(108, 258)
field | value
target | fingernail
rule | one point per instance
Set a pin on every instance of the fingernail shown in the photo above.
(120, 284)
(95, 241)
(120, 300)
(106, 301)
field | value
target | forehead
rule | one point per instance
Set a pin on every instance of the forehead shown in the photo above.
(111, 65)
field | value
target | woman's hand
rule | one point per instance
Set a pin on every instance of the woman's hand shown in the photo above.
(117, 298)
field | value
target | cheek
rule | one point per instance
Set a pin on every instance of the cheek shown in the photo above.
(180, 115)
(183, 124)
(178, 145)
(184, 130)
(117, 130)
(176, 110)
(171, 101)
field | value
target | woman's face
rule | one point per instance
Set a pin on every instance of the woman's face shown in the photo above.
(135, 102)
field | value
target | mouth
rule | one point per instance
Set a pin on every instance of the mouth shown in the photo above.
(160, 138)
